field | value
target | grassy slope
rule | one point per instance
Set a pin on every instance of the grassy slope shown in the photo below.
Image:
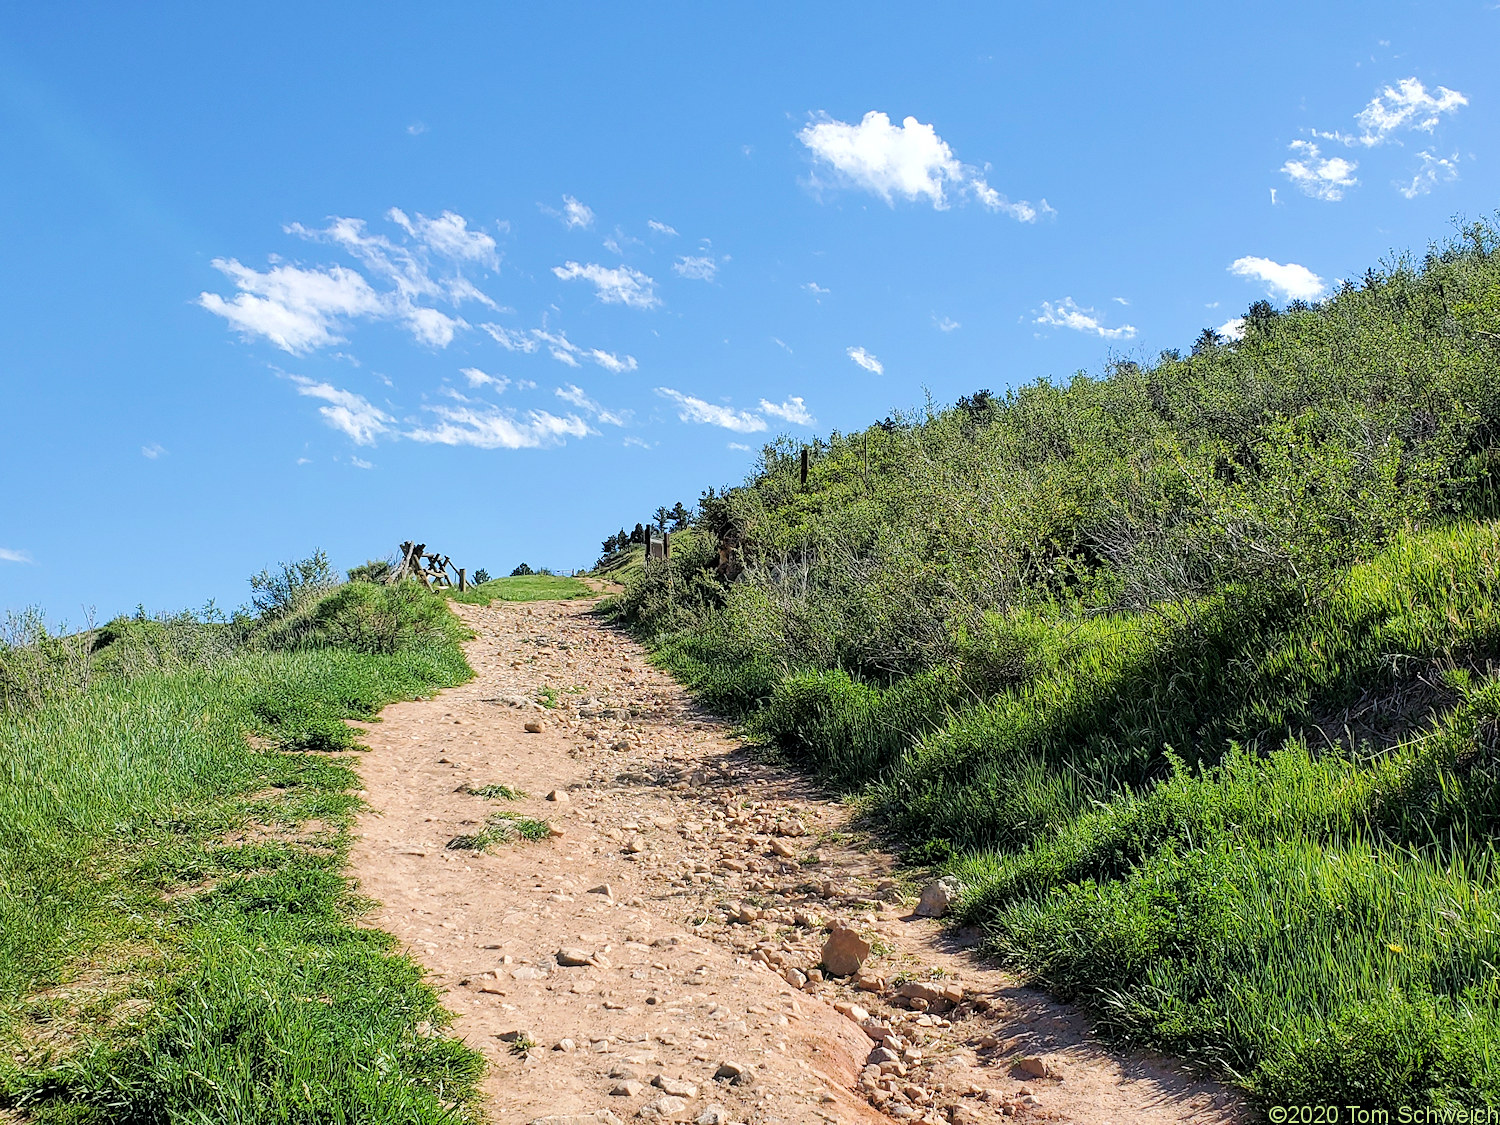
(1189, 672)
(523, 588)
(177, 939)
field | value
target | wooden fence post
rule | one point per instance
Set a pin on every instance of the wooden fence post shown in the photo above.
(804, 466)
(463, 580)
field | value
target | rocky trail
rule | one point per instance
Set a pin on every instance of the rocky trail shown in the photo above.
(661, 951)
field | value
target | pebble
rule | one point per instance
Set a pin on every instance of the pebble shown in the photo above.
(574, 957)
(533, 727)
(560, 796)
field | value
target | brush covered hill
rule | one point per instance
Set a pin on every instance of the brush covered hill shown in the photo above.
(1187, 671)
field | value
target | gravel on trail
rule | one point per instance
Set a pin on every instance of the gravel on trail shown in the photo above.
(658, 953)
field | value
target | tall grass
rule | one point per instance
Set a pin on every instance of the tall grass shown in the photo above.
(177, 939)
(1188, 672)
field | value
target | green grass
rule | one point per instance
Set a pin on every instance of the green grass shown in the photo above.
(1191, 672)
(524, 588)
(178, 941)
(501, 792)
(502, 828)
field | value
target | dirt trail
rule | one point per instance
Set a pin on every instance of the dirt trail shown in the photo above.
(667, 826)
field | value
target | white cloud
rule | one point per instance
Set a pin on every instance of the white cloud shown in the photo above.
(495, 428)
(622, 286)
(1434, 170)
(947, 324)
(153, 451)
(793, 410)
(740, 447)
(360, 463)
(633, 440)
(354, 414)
(296, 309)
(1406, 105)
(9, 555)
(431, 327)
(574, 396)
(575, 214)
(660, 228)
(1290, 280)
(1121, 301)
(866, 360)
(611, 362)
(816, 290)
(300, 309)
(1067, 313)
(559, 346)
(511, 339)
(782, 344)
(697, 268)
(1233, 329)
(478, 378)
(690, 409)
(911, 161)
(1317, 176)
(448, 236)
(409, 267)
(416, 128)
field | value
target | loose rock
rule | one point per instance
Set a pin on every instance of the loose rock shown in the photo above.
(844, 952)
(938, 896)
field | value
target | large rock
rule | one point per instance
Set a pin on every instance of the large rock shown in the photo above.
(938, 896)
(844, 952)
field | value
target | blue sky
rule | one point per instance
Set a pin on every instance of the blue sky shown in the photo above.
(280, 277)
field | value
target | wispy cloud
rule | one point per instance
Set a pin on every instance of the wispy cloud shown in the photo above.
(360, 462)
(1289, 280)
(699, 268)
(153, 451)
(351, 413)
(946, 324)
(621, 286)
(816, 290)
(496, 428)
(300, 309)
(793, 410)
(574, 396)
(690, 409)
(574, 215)
(661, 228)
(1067, 313)
(13, 556)
(478, 378)
(511, 339)
(611, 362)
(1434, 170)
(1404, 106)
(866, 360)
(910, 161)
(1321, 177)
(740, 446)
(295, 309)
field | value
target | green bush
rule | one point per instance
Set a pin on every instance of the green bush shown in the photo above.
(1187, 671)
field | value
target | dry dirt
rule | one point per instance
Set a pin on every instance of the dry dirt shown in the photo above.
(668, 827)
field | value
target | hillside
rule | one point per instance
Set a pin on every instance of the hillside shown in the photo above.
(1187, 672)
